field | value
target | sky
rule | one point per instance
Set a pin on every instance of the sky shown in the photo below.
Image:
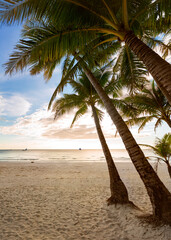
(26, 123)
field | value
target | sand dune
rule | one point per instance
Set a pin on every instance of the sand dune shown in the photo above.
(67, 201)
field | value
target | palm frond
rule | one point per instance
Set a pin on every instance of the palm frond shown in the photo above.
(79, 114)
(152, 42)
(158, 123)
(138, 121)
(152, 13)
(64, 81)
(100, 113)
(66, 104)
(162, 147)
(146, 120)
(132, 71)
(44, 43)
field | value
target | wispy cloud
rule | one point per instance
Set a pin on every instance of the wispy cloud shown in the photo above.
(14, 106)
(41, 124)
(40, 130)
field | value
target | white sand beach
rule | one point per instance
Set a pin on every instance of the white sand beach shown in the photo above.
(67, 201)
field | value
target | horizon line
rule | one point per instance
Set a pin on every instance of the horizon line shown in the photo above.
(61, 149)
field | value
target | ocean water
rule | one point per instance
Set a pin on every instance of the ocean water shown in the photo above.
(65, 155)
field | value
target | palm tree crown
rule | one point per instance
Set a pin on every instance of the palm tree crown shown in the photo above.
(162, 149)
(110, 21)
(85, 95)
(151, 103)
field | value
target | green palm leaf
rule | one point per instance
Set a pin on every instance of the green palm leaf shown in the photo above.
(151, 103)
(79, 114)
(162, 147)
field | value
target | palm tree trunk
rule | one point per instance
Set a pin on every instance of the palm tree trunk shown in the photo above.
(159, 195)
(119, 192)
(167, 119)
(168, 122)
(169, 168)
(158, 67)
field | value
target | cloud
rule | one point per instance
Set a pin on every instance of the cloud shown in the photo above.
(40, 130)
(14, 106)
(41, 124)
(76, 133)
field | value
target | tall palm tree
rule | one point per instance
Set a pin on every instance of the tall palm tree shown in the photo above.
(162, 149)
(85, 96)
(158, 193)
(123, 20)
(151, 103)
(42, 50)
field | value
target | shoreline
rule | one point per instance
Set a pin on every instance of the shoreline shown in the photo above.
(67, 201)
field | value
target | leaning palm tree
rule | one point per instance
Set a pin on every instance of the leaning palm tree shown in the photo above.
(158, 193)
(85, 96)
(162, 149)
(42, 49)
(150, 103)
(114, 20)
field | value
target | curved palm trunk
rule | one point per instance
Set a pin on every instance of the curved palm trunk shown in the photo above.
(167, 119)
(159, 195)
(119, 192)
(168, 168)
(158, 67)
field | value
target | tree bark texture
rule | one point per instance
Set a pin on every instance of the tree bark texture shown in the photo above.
(159, 195)
(119, 192)
(158, 67)
(168, 120)
(169, 168)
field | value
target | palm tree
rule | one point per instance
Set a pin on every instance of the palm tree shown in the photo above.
(151, 103)
(84, 97)
(155, 188)
(113, 20)
(158, 193)
(43, 50)
(162, 149)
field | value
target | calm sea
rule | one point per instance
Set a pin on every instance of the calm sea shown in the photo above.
(64, 155)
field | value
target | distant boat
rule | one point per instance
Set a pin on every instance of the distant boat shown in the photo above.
(25, 149)
(80, 149)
